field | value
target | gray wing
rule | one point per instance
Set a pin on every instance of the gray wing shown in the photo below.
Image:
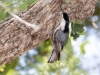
(58, 43)
(60, 39)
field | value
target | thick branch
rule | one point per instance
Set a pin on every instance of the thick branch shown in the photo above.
(17, 38)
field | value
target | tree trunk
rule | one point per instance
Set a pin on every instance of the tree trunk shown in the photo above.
(17, 38)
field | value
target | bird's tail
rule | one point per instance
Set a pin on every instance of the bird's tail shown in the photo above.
(54, 56)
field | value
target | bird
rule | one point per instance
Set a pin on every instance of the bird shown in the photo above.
(60, 36)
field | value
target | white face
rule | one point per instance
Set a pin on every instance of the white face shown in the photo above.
(62, 24)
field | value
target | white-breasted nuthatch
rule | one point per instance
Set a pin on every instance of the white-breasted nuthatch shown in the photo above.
(60, 37)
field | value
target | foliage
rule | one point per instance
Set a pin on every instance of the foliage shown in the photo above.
(77, 29)
(82, 47)
(15, 6)
(9, 68)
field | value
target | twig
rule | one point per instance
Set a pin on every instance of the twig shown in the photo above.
(34, 26)
(94, 24)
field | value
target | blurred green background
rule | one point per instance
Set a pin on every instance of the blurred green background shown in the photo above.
(80, 56)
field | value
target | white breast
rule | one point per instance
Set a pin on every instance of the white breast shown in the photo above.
(70, 28)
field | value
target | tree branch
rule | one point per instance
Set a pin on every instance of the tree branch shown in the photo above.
(17, 38)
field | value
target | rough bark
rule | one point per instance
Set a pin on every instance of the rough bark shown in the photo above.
(17, 38)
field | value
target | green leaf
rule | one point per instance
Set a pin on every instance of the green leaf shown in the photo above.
(31, 1)
(77, 29)
(82, 46)
(75, 35)
(23, 6)
(66, 0)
